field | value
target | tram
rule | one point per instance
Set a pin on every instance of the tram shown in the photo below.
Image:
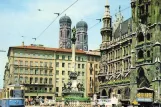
(13, 96)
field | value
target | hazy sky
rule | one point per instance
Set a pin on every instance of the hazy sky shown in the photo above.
(21, 18)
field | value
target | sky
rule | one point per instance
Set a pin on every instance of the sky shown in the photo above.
(20, 21)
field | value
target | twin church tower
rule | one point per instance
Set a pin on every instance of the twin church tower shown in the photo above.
(65, 34)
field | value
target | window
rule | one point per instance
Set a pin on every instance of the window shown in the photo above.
(50, 72)
(16, 62)
(46, 72)
(69, 65)
(31, 71)
(69, 57)
(36, 80)
(78, 73)
(68, 72)
(50, 89)
(140, 54)
(63, 72)
(148, 53)
(36, 71)
(36, 63)
(57, 72)
(148, 36)
(26, 63)
(63, 80)
(57, 64)
(45, 64)
(21, 62)
(31, 63)
(96, 65)
(41, 71)
(35, 88)
(26, 71)
(140, 37)
(21, 70)
(78, 58)
(63, 64)
(82, 73)
(82, 65)
(41, 64)
(41, 80)
(57, 89)
(63, 57)
(57, 56)
(78, 65)
(50, 64)
(46, 81)
(50, 81)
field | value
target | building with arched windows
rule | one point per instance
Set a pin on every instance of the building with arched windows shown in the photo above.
(130, 55)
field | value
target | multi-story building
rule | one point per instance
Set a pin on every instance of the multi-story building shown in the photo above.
(130, 60)
(43, 70)
(92, 72)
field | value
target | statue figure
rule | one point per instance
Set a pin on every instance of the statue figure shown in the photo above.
(74, 33)
(142, 80)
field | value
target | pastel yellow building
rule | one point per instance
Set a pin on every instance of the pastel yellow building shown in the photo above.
(43, 70)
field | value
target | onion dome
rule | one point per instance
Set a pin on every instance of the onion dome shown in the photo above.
(81, 24)
(65, 19)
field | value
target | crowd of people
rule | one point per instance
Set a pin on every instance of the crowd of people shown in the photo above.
(35, 101)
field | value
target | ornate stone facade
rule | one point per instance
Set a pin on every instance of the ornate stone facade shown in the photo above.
(131, 53)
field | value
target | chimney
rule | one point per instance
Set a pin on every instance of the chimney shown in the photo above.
(23, 43)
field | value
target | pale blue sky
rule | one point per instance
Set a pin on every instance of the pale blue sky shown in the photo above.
(22, 18)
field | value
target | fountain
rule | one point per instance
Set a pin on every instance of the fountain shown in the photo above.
(73, 91)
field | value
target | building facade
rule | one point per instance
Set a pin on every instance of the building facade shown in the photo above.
(130, 55)
(92, 72)
(43, 71)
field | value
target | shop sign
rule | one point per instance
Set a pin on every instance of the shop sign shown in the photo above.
(144, 97)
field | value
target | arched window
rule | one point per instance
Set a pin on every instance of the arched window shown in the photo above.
(41, 80)
(36, 80)
(50, 81)
(148, 53)
(148, 36)
(140, 37)
(46, 80)
(104, 92)
(140, 54)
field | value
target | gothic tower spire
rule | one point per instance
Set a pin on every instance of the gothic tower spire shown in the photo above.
(106, 31)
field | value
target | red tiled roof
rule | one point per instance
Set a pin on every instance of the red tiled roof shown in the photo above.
(46, 49)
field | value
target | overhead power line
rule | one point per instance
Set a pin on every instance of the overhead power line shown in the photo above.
(58, 14)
